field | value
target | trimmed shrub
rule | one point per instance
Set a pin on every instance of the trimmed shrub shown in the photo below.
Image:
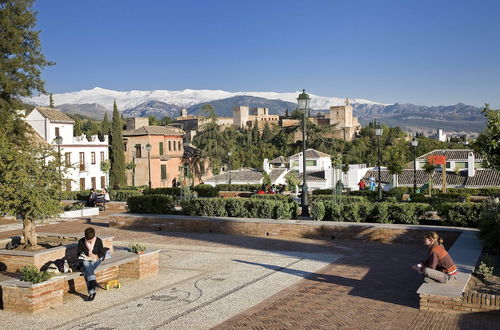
(235, 207)
(171, 191)
(317, 210)
(154, 204)
(237, 187)
(206, 190)
(82, 195)
(402, 213)
(460, 214)
(380, 213)
(322, 192)
(123, 195)
(283, 198)
(493, 192)
(30, 273)
(343, 198)
(489, 225)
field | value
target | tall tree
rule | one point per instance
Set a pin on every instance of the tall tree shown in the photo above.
(51, 101)
(21, 63)
(488, 142)
(117, 152)
(267, 135)
(105, 125)
(29, 182)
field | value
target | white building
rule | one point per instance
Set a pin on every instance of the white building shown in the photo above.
(82, 157)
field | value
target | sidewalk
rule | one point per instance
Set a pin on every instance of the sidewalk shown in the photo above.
(225, 281)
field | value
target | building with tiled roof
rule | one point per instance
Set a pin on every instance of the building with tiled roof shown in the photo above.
(279, 162)
(239, 176)
(463, 170)
(165, 157)
(82, 157)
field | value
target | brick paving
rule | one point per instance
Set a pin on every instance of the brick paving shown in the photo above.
(371, 287)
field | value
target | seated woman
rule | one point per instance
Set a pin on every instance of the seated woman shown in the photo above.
(439, 266)
(91, 253)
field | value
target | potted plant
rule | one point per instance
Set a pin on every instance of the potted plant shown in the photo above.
(137, 248)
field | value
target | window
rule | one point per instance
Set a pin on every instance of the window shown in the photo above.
(175, 149)
(137, 151)
(103, 182)
(57, 131)
(102, 157)
(67, 158)
(92, 179)
(82, 161)
(161, 148)
(448, 164)
(164, 172)
(311, 162)
(179, 145)
(125, 146)
(169, 145)
(202, 167)
(92, 158)
(82, 183)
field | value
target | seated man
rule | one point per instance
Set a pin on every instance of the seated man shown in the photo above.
(92, 198)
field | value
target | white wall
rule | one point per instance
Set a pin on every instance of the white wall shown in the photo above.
(37, 121)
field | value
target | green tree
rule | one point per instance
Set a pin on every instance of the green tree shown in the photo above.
(397, 162)
(78, 127)
(153, 121)
(267, 135)
(117, 152)
(51, 101)
(208, 111)
(166, 120)
(255, 132)
(105, 125)
(30, 184)
(21, 64)
(488, 142)
(429, 168)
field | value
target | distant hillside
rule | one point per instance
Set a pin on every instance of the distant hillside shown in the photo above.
(153, 108)
(91, 110)
(224, 108)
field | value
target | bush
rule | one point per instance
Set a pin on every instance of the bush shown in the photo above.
(402, 213)
(483, 270)
(171, 191)
(206, 190)
(136, 248)
(489, 225)
(241, 208)
(322, 192)
(154, 204)
(343, 198)
(317, 211)
(82, 195)
(30, 273)
(398, 192)
(238, 187)
(123, 195)
(284, 198)
(380, 213)
(460, 214)
(74, 207)
(492, 192)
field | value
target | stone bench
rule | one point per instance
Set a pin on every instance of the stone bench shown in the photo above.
(450, 296)
(21, 296)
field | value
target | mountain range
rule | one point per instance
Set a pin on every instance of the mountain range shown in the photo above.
(458, 119)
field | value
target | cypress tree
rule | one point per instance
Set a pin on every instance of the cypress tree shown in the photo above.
(51, 101)
(117, 152)
(105, 125)
(267, 135)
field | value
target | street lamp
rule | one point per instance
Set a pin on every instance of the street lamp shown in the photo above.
(148, 148)
(229, 164)
(59, 141)
(303, 104)
(414, 143)
(378, 132)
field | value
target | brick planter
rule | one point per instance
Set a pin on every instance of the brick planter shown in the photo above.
(26, 297)
(471, 301)
(144, 266)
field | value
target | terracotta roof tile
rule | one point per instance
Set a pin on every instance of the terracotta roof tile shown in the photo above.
(155, 130)
(54, 115)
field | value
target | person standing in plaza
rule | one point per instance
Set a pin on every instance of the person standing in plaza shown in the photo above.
(91, 253)
(439, 266)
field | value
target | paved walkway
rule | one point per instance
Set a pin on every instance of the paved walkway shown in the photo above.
(224, 281)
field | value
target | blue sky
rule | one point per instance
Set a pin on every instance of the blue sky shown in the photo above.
(422, 51)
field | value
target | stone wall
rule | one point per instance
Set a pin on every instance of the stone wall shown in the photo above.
(282, 228)
(471, 301)
(33, 298)
(144, 266)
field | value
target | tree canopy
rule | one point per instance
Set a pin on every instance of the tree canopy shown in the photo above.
(488, 142)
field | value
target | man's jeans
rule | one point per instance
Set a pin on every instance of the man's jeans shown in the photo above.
(88, 272)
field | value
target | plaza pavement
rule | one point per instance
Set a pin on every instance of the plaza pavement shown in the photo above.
(236, 282)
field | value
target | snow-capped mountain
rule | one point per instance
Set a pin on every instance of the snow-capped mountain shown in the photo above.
(184, 98)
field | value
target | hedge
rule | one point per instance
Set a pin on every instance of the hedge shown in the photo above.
(240, 208)
(172, 191)
(384, 212)
(489, 226)
(493, 192)
(460, 214)
(342, 198)
(284, 198)
(154, 204)
(440, 198)
(238, 187)
(206, 190)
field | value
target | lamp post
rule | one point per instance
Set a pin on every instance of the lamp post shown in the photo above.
(148, 148)
(414, 143)
(378, 132)
(59, 141)
(303, 104)
(229, 154)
